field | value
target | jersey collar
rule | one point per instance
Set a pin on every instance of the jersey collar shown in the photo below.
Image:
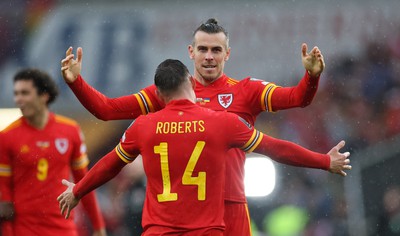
(217, 83)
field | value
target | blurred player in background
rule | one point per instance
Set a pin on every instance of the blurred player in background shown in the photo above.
(215, 90)
(37, 151)
(184, 150)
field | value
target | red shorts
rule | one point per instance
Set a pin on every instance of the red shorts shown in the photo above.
(237, 219)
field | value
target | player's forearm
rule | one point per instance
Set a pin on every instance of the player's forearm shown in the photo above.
(297, 96)
(7, 211)
(292, 154)
(102, 107)
(89, 202)
(103, 171)
(305, 90)
(93, 210)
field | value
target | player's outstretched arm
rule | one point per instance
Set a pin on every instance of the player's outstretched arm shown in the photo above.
(68, 201)
(101, 106)
(304, 92)
(71, 66)
(90, 204)
(313, 61)
(293, 154)
(103, 171)
(339, 161)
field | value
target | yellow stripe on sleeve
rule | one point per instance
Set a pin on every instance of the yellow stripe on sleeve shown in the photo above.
(257, 142)
(139, 99)
(250, 140)
(253, 142)
(151, 107)
(125, 157)
(264, 93)
(5, 170)
(264, 105)
(81, 162)
(269, 98)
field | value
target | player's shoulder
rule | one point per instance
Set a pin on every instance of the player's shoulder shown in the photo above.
(64, 120)
(252, 81)
(231, 81)
(13, 126)
(145, 120)
(228, 120)
(199, 110)
(149, 90)
(247, 82)
(218, 115)
(232, 119)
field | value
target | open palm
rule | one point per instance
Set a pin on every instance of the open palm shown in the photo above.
(71, 67)
(313, 61)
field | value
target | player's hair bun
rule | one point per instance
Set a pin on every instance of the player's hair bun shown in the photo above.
(212, 21)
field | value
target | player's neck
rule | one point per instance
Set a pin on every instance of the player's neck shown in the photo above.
(206, 82)
(182, 95)
(39, 121)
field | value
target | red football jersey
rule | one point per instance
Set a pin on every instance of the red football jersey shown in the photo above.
(192, 174)
(32, 164)
(246, 98)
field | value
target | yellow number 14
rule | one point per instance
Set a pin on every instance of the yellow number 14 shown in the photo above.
(187, 178)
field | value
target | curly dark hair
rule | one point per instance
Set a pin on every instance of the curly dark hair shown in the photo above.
(41, 80)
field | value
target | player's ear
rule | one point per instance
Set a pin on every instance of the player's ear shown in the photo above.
(191, 51)
(45, 97)
(228, 53)
(160, 95)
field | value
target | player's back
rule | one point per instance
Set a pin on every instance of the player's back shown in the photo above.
(183, 148)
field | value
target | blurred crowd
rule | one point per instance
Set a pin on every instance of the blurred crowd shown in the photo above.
(358, 101)
(18, 20)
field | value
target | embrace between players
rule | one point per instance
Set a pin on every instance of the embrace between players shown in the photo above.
(192, 143)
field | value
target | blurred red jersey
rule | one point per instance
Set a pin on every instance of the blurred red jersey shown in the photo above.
(185, 188)
(32, 164)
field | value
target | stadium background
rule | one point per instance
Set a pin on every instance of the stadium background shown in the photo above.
(358, 99)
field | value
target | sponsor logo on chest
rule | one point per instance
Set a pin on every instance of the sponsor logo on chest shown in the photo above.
(42, 144)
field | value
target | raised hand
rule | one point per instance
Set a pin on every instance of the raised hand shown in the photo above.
(71, 67)
(67, 200)
(313, 61)
(339, 161)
